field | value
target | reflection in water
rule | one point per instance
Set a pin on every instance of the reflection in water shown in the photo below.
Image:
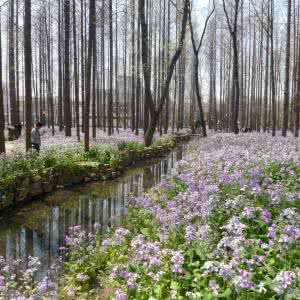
(38, 229)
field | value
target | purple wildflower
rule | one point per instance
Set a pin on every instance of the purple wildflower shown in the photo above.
(282, 281)
(177, 260)
(119, 295)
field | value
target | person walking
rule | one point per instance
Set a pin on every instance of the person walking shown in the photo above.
(36, 136)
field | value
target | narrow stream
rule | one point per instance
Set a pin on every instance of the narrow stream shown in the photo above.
(38, 229)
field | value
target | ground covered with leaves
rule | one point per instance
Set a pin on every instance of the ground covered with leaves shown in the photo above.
(225, 226)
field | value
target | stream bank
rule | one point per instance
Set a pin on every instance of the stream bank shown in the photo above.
(33, 184)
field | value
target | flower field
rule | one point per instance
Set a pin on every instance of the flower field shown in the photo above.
(225, 226)
(49, 141)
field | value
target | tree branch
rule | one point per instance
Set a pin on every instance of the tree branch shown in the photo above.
(227, 17)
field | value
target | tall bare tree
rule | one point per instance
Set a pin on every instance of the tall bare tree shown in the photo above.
(235, 91)
(156, 110)
(59, 52)
(196, 49)
(67, 79)
(297, 94)
(28, 62)
(111, 70)
(92, 39)
(76, 76)
(2, 116)
(11, 61)
(287, 71)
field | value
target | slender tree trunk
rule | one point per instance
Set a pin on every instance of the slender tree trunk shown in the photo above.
(117, 71)
(110, 102)
(49, 83)
(138, 82)
(199, 98)
(167, 115)
(92, 39)
(133, 65)
(297, 95)
(2, 116)
(287, 71)
(76, 77)
(82, 52)
(60, 95)
(266, 86)
(17, 65)
(235, 76)
(196, 68)
(125, 66)
(94, 84)
(28, 62)
(11, 62)
(67, 98)
(273, 82)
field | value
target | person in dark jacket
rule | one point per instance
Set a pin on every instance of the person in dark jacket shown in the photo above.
(36, 136)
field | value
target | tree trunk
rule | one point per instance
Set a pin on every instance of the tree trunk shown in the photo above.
(110, 100)
(2, 116)
(28, 62)
(287, 72)
(273, 87)
(138, 82)
(103, 65)
(199, 98)
(11, 62)
(155, 110)
(60, 96)
(235, 76)
(67, 98)
(49, 81)
(266, 87)
(82, 53)
(125, 67)
(297, 95)
(92, 39)
(167, 115)
(76, 77)
(94, 127)
(133, 65)
(116, 72)
(17, 65)
(196, 68)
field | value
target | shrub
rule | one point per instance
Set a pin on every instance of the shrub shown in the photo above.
(105, 154)
(132, 145)
(162, 141)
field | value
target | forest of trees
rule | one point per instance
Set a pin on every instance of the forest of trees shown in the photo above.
(149, 65)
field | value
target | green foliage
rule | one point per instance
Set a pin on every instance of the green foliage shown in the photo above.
(105, 154)
(132, 145)
(66, 158)
(56, 157)
(165, 140)
(177, 186)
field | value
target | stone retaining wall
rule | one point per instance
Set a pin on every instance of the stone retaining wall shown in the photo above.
(29, 185)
